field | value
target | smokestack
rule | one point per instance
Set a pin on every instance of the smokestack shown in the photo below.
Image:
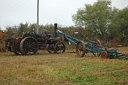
(55, 26)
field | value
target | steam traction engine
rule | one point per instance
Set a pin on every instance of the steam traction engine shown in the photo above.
(31, 42)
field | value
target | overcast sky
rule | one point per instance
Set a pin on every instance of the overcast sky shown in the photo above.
(14, 12)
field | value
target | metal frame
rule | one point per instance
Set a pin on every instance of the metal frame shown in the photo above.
(90, 47)
(31, 42)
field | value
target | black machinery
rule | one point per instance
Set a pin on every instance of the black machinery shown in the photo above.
(31, 42)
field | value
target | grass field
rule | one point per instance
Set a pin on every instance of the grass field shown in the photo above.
(61, 69)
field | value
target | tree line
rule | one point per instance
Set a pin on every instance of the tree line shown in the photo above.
(103, 21)
(24, 28)
(97, 21)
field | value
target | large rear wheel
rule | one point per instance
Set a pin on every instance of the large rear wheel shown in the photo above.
(28, 46)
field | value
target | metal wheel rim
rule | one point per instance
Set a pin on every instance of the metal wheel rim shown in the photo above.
(59, 47)
(29, 46)
(80, 49)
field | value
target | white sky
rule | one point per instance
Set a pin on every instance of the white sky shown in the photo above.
(14, 12)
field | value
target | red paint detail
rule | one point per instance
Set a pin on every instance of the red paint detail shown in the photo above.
(61, 39)
(18, 40)
(14, 36)
(104, 55)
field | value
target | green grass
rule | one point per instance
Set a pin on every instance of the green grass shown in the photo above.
(61, 69)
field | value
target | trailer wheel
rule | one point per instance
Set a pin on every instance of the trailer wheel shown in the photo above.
(80, 48)
(51, 48)
(59, 47)
(104, 54)
(28, 46)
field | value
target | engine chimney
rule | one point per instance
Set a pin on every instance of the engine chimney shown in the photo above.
(55, 26)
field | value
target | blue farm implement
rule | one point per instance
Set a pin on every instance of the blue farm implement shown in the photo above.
(93, 47)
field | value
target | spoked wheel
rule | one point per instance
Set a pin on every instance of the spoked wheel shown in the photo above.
(80, 48)
(96, 54)
(51, 48)
(59, 47)
(112, 56)
(104, 54)
(29, 46)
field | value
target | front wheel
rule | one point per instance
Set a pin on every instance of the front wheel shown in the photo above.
(59, 47)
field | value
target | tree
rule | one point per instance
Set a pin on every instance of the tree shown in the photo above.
(11, 30)
(95, 17)
(114, 26)
(123, 22)
(23, 28)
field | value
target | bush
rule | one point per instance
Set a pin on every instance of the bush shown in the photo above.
(3, 37)
(2, 47)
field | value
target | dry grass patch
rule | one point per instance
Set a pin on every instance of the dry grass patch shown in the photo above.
(67, 68)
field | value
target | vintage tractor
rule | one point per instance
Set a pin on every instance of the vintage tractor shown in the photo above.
(31, 42)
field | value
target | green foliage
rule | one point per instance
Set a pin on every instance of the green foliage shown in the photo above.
(123, 21)
(95, 17)
(113, 28)
(11, 30)
(103, 21)
(23, 28)
(48, 28)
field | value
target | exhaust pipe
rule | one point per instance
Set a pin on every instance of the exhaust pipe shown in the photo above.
(55, 26)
